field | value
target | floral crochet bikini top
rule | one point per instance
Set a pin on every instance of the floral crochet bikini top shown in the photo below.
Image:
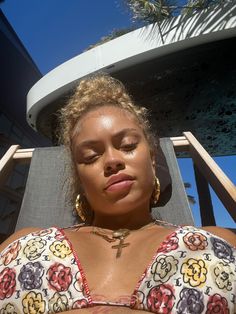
(192, 271)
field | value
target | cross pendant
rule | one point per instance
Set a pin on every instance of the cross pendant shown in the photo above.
(120, 246)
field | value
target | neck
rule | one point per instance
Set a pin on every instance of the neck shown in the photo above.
(115, 223)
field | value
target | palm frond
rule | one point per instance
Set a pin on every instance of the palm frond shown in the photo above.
(193, 6)
(151, 11)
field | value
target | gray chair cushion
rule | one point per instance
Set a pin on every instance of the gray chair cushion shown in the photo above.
(45, 199)
(177, 209)
(45, 203)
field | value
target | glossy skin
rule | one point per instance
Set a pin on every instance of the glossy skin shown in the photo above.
(115, 167)
(116, 170)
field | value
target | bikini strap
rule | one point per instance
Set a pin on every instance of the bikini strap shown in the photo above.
(75, 227)
(165, 223)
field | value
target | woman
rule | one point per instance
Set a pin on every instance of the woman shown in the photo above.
(119, 260)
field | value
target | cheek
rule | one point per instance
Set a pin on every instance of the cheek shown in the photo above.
(150, 173)
(146, 163)
(146, 169)
(88, 179)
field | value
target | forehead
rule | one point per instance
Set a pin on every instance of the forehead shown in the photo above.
(105, 118)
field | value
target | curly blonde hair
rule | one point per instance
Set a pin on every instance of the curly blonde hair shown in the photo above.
(94, 92)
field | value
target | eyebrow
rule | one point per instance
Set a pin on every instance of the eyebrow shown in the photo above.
(121, 133)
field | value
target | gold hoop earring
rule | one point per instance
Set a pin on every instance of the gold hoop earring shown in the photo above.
(156, 192)
(79, 207)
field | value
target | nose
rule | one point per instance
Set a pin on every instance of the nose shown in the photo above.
(113, 162)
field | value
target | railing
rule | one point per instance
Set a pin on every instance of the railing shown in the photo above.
(205, 168)
(207, 171)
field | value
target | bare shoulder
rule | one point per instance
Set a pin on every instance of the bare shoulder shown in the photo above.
(226, 234)
(18, 234)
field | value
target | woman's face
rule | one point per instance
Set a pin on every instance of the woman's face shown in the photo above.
(113, 161)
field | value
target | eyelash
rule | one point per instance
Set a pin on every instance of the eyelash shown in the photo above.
(128, 148)
(90, 159)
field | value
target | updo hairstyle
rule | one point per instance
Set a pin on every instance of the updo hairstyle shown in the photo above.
(94, 92)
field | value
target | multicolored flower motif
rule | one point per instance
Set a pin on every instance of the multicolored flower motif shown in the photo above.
(7, 283)
(59, 277)
(170, 244)
(224, 276)
(217, 305)
(33, 303)
(163, 268)
(222, 249)
(34, 248)
(160, 299)
(9, 308)
(11, 253)
(181, 260)
(195, 241)
(58, 303)
(31, 275)
(60, 249)
(191, 301)
(194, 272)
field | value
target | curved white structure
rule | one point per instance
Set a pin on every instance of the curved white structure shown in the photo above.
(133, 48)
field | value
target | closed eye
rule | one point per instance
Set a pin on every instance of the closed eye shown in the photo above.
(90, 159)
(129, 147)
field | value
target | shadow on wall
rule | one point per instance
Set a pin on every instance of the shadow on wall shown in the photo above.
(184, 27)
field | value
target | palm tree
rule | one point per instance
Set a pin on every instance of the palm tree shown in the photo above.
(151, 11)
(155, 11)
(193, 6)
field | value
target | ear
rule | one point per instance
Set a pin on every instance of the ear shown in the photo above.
(153, 159)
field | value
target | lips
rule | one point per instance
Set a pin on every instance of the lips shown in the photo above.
(123, 179)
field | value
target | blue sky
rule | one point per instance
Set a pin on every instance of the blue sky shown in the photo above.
(53, 31)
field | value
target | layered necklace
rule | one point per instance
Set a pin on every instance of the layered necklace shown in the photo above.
(117, 235)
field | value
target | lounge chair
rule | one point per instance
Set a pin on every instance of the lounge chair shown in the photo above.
(45, 198)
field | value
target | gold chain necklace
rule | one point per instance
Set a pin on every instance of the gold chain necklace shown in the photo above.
(119, 234)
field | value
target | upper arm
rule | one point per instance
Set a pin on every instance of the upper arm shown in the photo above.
(17, 235)
(225, 234)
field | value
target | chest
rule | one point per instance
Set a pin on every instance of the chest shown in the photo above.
(108, 274)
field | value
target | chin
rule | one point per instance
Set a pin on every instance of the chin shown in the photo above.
(128, 205)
